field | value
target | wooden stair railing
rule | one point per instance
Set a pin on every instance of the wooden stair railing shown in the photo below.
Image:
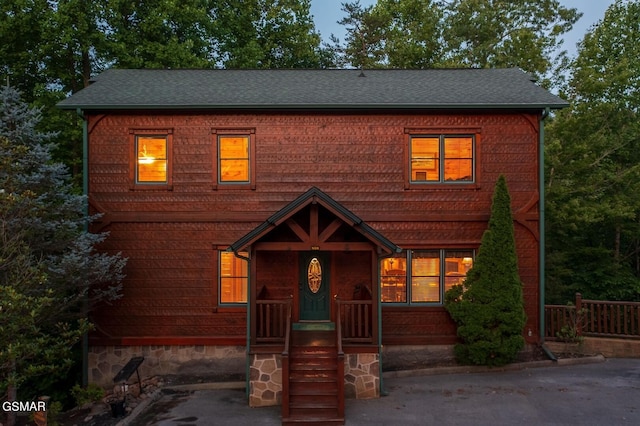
(285, 365)
(340, 372)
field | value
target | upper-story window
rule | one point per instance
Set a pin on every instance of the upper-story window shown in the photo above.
(151, 166)
(151, 152)
(441, 159)
(234, 158)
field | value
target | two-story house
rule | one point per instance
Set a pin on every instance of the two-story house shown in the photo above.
(281, 221)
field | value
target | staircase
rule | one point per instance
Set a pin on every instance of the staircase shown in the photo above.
(316, 383)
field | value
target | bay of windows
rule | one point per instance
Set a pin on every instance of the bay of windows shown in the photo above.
(422, 276)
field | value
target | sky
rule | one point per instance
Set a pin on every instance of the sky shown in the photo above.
(326, 13)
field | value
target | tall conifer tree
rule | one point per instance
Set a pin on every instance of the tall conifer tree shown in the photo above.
(488, 307)
(48, 266)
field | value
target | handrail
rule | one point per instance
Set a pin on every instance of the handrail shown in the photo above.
(287, 335)
(340, 360)
(338, 325)
(285, 363)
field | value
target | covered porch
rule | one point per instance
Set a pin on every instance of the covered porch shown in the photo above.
(313, 281)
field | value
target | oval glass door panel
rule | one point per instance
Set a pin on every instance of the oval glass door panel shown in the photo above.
(314, 275)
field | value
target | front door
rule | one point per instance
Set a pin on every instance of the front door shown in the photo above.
(315, 295)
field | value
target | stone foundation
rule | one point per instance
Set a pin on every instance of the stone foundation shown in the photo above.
(362, 376)
(207, 362)
(265, 380)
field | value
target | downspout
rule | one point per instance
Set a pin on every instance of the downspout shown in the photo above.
(248, 337)
(85, 192)
(541, 202)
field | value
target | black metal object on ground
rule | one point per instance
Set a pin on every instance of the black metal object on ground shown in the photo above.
(126, 371)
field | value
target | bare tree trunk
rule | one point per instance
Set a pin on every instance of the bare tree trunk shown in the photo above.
(637, 257)
(12, 394)
(86, 68)
(617, 243)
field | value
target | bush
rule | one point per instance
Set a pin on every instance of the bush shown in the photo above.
(488, 306)
(92, 393)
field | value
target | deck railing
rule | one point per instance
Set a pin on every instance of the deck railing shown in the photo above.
(356, 320)
(271, 320)
(597, 318)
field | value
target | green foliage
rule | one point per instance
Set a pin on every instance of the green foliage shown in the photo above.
(570, 331)
(593, 168)
(488, 306)
(48, 267)
(157, 34)
(364, 40)
(507, 33)
(459, 33)
(50, 49)
(54, 409)
(83, 395)
(266, 34)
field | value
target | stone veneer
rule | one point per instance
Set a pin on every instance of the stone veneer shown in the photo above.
(361, 378)
(210, 362)
(265, 380)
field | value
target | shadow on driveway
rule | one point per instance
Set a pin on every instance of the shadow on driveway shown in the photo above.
(604, 393)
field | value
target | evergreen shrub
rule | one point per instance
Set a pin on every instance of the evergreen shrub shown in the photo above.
(488, 306)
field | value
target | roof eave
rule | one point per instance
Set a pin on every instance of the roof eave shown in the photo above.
(166, 107)
(315, 195)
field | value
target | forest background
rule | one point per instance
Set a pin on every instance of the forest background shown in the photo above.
(52, 48)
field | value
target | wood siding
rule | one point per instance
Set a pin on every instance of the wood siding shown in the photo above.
(170, 235)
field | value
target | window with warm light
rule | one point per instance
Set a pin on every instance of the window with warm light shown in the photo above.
(233, 159)
(151, 160)
(422, 276)
(233, 278)
(441, 159)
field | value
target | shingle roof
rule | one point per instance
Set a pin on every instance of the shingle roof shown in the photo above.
(508, 88)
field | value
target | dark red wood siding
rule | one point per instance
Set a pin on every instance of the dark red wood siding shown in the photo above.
(359, 159)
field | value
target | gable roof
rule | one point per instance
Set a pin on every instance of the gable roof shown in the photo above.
(126, 89)
(315, 195)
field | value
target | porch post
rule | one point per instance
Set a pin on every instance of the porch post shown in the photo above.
(252, 296)
(375, 295)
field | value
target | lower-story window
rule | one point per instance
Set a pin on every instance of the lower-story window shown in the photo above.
(233, 278)
(422, 276)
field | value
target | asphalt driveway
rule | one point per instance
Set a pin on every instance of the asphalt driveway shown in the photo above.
(603, 393)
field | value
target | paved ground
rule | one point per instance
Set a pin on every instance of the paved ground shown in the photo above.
(604, 393)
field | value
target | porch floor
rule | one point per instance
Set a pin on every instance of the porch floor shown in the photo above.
(313, 338)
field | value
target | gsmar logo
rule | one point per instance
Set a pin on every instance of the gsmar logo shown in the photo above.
(20, 406)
